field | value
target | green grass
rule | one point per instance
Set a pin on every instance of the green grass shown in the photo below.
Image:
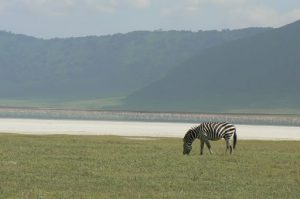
(117, 167)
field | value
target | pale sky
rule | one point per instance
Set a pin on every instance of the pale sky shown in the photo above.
(67, 18)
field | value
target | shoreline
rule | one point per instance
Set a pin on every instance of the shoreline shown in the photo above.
(136, 129)
(181, 117)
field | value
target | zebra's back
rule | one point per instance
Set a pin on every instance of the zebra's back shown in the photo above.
(217, 130)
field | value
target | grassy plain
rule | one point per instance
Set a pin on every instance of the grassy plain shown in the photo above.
(117, 167)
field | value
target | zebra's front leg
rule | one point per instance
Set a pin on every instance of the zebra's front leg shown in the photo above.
(208, 146)
(201, 147)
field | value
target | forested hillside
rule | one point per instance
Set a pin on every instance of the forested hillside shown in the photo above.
(254, 74)
(98, 66)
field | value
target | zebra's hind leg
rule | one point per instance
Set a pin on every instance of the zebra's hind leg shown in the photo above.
(229, 146)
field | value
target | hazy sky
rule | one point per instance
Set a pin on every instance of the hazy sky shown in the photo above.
(66, 18)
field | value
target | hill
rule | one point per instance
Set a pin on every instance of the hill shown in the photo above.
(98, 66)
(253, 74)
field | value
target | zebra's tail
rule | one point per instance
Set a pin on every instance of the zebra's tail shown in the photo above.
(234, 139)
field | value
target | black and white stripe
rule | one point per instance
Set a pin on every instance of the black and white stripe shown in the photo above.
(210, 131)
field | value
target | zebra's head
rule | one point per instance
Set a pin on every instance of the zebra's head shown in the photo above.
(187, 145)
(186, 148)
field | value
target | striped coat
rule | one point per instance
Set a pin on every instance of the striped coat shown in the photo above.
(210, 131)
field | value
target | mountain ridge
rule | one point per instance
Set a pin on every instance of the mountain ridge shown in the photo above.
(258, 72)
(95, 67)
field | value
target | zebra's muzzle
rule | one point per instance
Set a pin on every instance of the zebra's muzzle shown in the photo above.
(186, 152)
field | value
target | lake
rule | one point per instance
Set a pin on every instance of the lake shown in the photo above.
(137, 128)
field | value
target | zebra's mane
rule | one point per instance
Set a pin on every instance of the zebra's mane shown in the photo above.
(194, 128)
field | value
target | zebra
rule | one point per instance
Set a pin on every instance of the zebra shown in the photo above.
(210, 131)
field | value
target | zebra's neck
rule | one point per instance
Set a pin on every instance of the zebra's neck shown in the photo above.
(191, 135)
